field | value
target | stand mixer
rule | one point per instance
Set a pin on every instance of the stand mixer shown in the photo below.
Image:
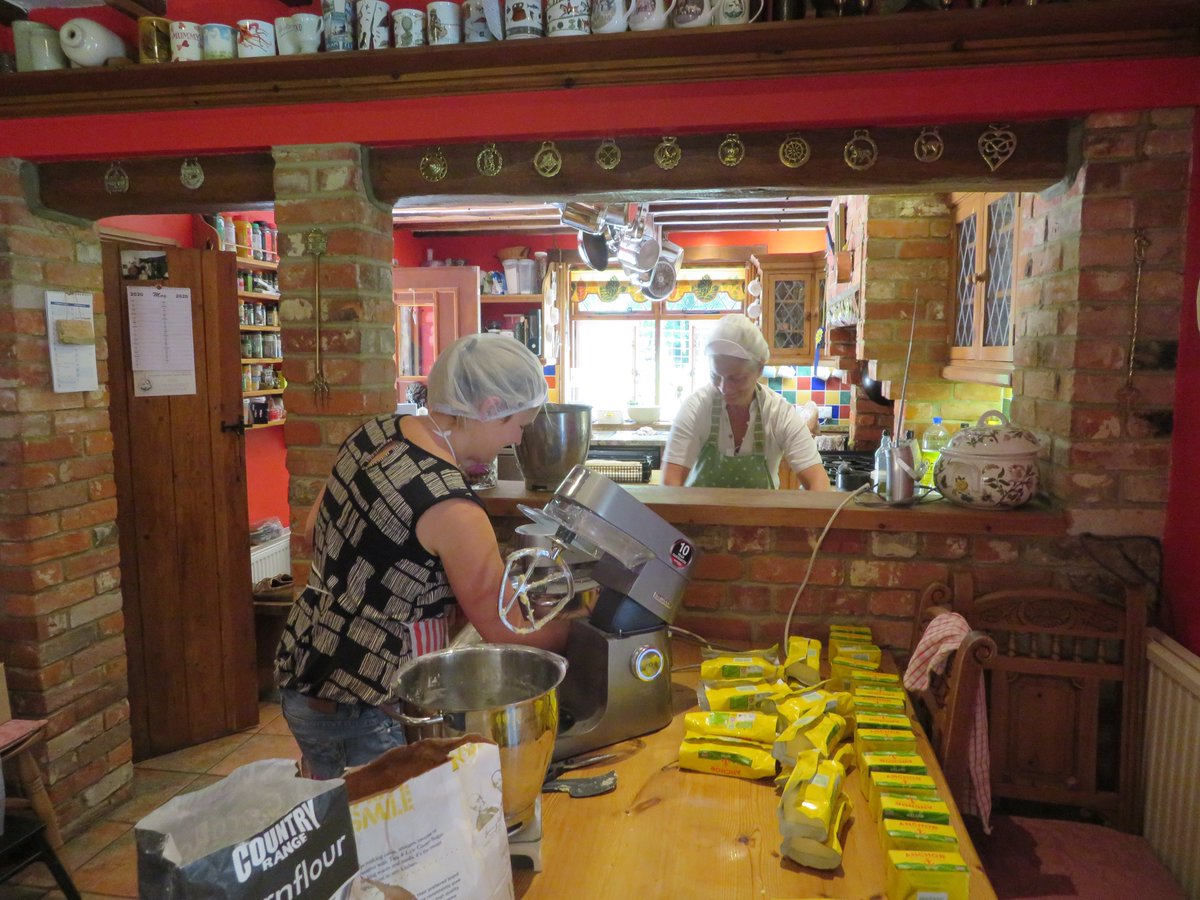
(618, 682)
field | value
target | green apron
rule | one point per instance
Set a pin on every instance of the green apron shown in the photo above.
(714, 469)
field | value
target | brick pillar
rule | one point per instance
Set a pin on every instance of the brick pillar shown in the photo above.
(61, 626)
(327, 187)
(1075, 312)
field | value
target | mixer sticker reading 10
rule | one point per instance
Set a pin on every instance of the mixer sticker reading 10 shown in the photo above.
(681, 554)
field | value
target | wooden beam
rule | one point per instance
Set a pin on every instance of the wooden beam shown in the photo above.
(1013, 34)
(243, 181)
(136, 8)
(1045, 152)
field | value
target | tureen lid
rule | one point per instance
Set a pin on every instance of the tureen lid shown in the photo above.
(987, 438)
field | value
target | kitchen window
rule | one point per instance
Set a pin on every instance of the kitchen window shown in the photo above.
(986, 237)
(627, 350)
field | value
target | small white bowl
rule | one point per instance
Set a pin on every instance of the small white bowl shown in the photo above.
(643, 415)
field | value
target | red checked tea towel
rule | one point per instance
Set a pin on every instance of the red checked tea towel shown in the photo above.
(942, 637)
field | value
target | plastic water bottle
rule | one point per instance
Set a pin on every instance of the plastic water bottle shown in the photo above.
(879, 471)
(934, 438)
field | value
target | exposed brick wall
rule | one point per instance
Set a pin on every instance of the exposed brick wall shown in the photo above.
(61, 626)
(325, 187)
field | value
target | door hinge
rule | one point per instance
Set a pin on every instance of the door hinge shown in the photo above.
(239, 427)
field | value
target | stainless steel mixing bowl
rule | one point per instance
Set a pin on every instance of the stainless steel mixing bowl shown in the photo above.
(553, 444)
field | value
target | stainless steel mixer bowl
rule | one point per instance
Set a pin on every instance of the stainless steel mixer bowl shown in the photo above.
(553, 444)
(505, 692)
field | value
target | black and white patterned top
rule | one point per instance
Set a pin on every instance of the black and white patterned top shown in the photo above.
(371, 581)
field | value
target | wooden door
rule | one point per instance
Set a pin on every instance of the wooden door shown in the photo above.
(182, 517)
(435, 305)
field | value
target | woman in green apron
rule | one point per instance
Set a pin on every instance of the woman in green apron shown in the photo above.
(734, 432)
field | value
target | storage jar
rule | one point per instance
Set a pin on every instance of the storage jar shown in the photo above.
(990, 466)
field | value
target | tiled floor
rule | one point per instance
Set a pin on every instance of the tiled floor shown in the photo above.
(103, 859)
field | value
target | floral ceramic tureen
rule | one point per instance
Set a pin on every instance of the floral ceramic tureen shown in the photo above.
(990, 466)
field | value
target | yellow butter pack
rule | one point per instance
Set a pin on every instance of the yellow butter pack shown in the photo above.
(894, 740)
(740, 697)
(803, 662)
(861, 652)
(799, 704)
(882, 761)
(808, 804)
(727, 758)
(899, 834)
(926, 874)
(825, 854)
(770, 654)
(760, 728)
(861, 632)
(820, 732)
(914, 809)
(883, 720)
(879, 690)
(739, 668)
(879, 783)
(871, 703)
(868, 677)
(840, 670)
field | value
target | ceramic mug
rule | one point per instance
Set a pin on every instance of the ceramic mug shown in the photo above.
(37, 46)
(185, 42)
(286, 33)
(475, 26)
(522, 19)
(610, 16)
(650, 15)
(339, 24)
(255, 38)
(568, 18)
(309, 28)
(693, 14)
(372, 17)
(408, 26)
(736, 12)
(219, 41)
(443, 22)
(154, 39)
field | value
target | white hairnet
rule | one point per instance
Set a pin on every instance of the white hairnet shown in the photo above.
(486, 376)
(737, 335)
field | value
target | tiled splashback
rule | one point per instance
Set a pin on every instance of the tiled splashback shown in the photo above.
(799, 384)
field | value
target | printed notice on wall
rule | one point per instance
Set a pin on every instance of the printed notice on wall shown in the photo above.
(160, 341)
(72, 335)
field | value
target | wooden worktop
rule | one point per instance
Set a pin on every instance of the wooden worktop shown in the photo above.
(665, 832)
(800, 509)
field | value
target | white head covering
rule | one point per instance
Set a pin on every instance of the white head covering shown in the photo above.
(737, 335)
(486, 377)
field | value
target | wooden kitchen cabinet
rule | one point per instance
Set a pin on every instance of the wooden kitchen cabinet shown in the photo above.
(986, 238)
(791, 302)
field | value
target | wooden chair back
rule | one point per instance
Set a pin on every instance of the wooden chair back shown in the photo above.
(1065, 695)
(949, 702)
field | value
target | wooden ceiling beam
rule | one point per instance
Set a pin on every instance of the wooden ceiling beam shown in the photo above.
(136, 8)
(241, 181)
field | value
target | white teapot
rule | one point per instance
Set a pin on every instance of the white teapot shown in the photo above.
(88, 43)
(989, 466)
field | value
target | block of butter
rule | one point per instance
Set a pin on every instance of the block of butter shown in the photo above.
(873, 703)
(867, 677)
(883, 720)
(863, 652)
(882, 761)
(894, 740)
(879, 690)
(898, 834)
(914, 809)
(926, 874)
(862, 632)
(880, 783)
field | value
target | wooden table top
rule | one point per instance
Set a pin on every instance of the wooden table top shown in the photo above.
(665, 832)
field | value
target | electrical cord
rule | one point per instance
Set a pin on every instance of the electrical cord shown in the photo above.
(812, 560)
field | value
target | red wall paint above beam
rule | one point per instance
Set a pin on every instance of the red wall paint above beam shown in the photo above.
(851, 100)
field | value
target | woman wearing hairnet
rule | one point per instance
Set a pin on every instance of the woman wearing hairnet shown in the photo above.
(734, 432)
(398, 538)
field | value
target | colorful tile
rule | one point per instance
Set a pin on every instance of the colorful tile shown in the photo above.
(789, 396)
(775, 383)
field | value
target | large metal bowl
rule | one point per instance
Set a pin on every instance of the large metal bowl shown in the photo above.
(507, 693)
(555, 443)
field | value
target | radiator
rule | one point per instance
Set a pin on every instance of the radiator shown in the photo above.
(272, 558)
(1172, 759)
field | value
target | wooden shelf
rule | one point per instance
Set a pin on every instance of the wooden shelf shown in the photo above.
(265, 360)
(254, 295)
(262, 265)
(960, 38)
(274, 424)
(273, 392)
(258, 328)
(511, 298)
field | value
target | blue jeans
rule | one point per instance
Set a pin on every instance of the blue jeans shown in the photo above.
(353, 734)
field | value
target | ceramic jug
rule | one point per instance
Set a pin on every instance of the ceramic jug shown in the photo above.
(693, 14)
(736, 12)
(568, 18)
(88, 43)
(650, 15)
(37, 47)
(610, 16)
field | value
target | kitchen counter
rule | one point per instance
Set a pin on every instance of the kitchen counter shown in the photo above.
(665, 832)
(800, 509)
